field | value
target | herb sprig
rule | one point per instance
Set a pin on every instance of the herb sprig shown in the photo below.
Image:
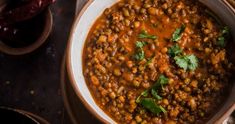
(140, 52)
(150, 103)
(187, 62)
(144, 34)
(174, 50)
(178, 33)
(221, 39)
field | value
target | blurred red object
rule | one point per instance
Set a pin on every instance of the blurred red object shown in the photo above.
(27, 10)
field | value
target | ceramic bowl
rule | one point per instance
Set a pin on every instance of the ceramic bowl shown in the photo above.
(82, 25)
(47, 27)
(9, 115)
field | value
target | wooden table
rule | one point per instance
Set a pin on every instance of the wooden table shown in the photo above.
(32, 82)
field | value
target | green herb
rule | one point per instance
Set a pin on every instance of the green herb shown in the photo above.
(163, 110)
(225, 31)
(155, 94)
(221, 41)
(149, 60)
(139, 55)
(140, 44)
(187, 62)
(162, 80)
(222, 37)
(174, 51)
(145, 94)
(177, 34)
(140, 52)
(144, 34)
(150, 104)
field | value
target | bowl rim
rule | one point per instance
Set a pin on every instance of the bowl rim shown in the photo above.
(72, 81)
(69, 64)
(35, 45)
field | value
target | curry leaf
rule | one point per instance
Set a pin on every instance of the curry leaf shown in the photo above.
(150, 104)
(144, 34)
(177, 34)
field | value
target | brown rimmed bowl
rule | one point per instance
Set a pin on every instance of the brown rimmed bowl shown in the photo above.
(47, 27)
(82, 25)
(10, 115)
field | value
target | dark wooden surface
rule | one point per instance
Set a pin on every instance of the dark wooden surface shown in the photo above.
(32, 82)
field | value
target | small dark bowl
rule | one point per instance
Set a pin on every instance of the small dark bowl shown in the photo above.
(10, 116)
(35, 44)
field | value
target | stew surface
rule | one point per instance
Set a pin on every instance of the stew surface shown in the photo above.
(157, 61)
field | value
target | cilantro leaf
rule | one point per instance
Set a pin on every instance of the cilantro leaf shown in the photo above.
(163, 110)
(177, 34)
(162, 80)
(144, 93)
(187, 62)
(140, 52)
(150, 104)
(155, 94)
(182, 62)
(225, 30)
(221, 39)
(139, 55)
(193, 62)
(140, 44)
(174, 51)
(149, 60)
(144, 34)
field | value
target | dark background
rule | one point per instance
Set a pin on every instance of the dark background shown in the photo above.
(32, 82)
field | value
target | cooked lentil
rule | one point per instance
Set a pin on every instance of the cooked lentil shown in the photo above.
(160, 52)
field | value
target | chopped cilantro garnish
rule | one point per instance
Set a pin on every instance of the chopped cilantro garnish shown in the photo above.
(174, 50)
(144, 34)
(140, 44)
(145, 94)
(155, 94)
(177, 34)
(140, 52)
(150, 104)
(221, 41)
(187, 62)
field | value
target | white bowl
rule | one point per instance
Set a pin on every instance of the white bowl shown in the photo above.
(82, 25)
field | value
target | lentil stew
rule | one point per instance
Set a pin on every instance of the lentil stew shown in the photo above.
(158, 61)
